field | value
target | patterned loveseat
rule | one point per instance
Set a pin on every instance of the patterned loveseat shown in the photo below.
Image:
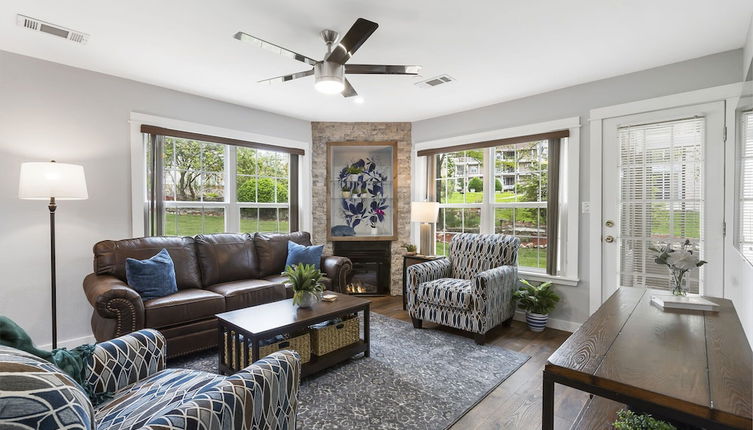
(471, 289)
(145, 395)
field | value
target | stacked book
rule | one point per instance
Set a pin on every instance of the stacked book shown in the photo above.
(692, 303)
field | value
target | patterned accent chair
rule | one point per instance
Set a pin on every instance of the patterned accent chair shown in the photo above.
(471, 289)
(145, 395)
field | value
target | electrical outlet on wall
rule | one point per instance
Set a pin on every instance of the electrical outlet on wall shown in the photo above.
(585, 207)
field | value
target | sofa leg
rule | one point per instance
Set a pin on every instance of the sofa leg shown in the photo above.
(507, 322)
(416, 322)
(480, 338)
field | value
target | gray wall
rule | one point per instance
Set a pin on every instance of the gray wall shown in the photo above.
(704, 72)
(51, 111)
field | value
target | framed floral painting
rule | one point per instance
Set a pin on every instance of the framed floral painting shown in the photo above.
(361, 190)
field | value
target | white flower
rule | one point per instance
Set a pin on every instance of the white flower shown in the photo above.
(682, 260)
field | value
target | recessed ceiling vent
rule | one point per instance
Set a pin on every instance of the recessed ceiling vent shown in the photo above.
(435, 81)
(55, 30)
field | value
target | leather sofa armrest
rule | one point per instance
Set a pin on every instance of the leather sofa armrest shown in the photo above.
(337, 269)
(114, 299)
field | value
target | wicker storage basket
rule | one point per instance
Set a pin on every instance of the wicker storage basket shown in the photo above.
(332, 337)
(300, 344)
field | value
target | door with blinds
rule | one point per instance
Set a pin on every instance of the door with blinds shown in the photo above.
(663, 183)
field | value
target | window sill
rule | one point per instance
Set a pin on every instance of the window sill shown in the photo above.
(543, 277)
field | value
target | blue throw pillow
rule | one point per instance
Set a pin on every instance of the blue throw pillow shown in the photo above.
(152, 278)
(300, 254)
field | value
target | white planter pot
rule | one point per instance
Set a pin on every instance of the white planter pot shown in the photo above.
(308, 300)
(536, 322)
(374, 231)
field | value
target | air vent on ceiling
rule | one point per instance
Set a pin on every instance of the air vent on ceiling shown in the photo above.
(55, 30)
(435, 81)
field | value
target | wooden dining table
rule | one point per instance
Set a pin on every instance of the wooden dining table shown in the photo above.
(692, 367)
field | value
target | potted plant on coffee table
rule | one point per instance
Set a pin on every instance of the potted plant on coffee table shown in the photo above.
(538, 301)
(305, 279)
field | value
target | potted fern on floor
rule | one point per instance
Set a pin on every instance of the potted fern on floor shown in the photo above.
(305, 279)
(538, 302)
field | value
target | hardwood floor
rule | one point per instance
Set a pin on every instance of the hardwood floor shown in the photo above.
(516, 403)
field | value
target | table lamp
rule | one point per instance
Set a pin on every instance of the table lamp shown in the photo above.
(425, 213)
(53, 181)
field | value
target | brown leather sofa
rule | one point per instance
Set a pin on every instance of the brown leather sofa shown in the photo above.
(214, 272)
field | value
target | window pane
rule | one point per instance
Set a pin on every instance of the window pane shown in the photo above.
(246, 161)
(267, 162)
(213, 157)
(249, 220)
(246, 187)
(268, 220)
(214, 220)
(213, 187)
(187, 185)
(460, 177)
(192, 221)
(284, 220)
(528, 224)
(281, 186)
(521, 171)
(472, 220)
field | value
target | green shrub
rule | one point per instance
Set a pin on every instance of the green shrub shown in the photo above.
(247, 191)
(497, 185)
(628, 420)
(476, 184)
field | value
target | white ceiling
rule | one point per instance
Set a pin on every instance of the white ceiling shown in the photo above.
(496, 49)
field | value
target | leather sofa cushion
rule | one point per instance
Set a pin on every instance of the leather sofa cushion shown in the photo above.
(110, 257)
(248, 292)
(272, 249)
(226, 257)
(281, 279)
(184, 306)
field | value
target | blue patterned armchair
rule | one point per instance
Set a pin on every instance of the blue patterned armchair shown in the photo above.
(471, 289)
(142, 394)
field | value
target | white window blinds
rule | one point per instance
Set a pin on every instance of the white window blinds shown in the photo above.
(661, 196)
(745, 226)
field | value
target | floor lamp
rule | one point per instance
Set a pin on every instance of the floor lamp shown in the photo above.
(53, 181)
(426, 213)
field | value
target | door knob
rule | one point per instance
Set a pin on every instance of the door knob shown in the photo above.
(609, 239)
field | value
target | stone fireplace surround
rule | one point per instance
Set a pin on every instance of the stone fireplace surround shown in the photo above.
(323, 132)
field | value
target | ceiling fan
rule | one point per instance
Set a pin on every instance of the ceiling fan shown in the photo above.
(329, 73)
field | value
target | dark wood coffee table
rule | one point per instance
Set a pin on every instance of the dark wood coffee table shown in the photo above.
(251, 325)
(690, 366)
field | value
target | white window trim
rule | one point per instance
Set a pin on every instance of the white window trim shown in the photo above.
(569, 195)
(138, 166)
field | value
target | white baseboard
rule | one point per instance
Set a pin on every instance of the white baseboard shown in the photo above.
(70, 343)
(553, 322)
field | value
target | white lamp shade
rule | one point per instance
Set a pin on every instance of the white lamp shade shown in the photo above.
(424, 211)
(40, 181)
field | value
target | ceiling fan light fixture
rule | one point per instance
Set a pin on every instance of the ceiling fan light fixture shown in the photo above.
(329, 78)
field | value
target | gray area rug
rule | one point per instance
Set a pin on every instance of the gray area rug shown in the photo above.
(414, 379)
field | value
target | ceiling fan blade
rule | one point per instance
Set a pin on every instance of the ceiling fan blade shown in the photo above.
(274, 48)
(285, 78)
(353, 39)
(381, 69)
(349, 91)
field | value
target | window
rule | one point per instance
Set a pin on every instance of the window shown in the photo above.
(520, 205)
(198, 186)
(745, 223)
(502, 187)
(459, 190)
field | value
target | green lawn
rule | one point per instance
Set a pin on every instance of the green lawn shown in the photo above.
(526, 256)
(478, 197)
(189, 225)
(690, 229)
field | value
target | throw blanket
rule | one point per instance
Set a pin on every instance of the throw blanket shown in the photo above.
(72, 362)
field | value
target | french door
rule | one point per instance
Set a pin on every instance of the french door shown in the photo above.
(663, 182)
